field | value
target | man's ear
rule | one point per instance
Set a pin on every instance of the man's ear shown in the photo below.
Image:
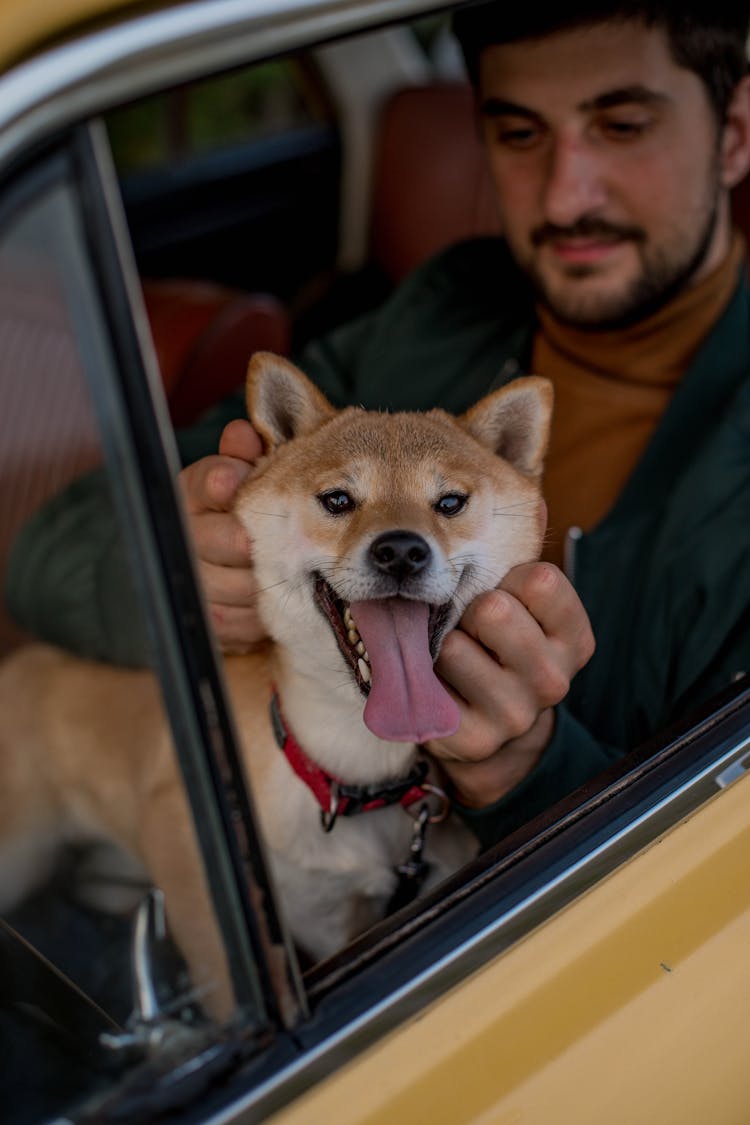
(514, 422)
(735, 138)
(282, 403)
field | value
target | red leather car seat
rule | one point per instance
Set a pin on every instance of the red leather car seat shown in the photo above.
(204, 335)
(431, 185)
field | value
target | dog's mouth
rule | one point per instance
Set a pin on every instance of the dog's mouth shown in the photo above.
(390, 645)
(339, 616)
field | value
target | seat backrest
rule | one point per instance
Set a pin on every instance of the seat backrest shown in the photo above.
(431, 184)
(204, 335)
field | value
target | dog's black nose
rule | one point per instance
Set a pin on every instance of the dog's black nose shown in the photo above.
(400, 553)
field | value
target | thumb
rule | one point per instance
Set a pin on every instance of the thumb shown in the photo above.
(239, 439)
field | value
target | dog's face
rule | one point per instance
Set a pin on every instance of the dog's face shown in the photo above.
(373, 532)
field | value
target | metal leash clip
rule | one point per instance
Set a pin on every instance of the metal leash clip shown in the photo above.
(445, 802)
(415, 867)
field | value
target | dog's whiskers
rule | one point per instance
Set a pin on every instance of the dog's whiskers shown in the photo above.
(258, 512)
(271, 586)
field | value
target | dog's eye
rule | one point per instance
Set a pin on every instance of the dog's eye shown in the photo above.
(451, 504)
(337, 502)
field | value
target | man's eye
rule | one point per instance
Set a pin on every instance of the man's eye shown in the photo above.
(451, 504)
(519, 137)
(625, 130)
(337, 502)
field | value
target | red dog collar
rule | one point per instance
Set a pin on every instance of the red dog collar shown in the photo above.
(332, 794)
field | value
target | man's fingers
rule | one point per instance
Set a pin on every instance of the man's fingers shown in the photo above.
(496, 702)
(222, 545)
(211, 484)
(228, 585)
(554, 604)
(238, 629)
(239, 439)
(466, 667)
(221, 539)
(514, 639)
(512, 660)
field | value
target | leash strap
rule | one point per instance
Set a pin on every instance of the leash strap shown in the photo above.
(412, 873)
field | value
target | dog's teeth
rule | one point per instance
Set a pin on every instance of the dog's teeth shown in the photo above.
(360, 647)
(354, 637)
(348, 619)
(364, 670)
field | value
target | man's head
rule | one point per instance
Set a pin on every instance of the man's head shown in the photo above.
(613, 137)
(707, 38)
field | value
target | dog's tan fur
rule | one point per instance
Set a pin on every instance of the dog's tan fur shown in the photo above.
(85, 753)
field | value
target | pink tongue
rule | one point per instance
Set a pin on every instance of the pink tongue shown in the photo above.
(407, 702)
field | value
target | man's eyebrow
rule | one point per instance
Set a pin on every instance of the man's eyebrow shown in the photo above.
(499, 107)
(624, 95)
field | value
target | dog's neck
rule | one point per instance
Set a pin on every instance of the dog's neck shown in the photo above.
(326, 720)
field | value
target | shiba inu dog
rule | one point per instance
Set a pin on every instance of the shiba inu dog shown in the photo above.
(371, 534)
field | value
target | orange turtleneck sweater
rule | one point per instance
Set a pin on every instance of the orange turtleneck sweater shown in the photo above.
(611, 389)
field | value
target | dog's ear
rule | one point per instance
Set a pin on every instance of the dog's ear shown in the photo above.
(514, 422)
(282, 403)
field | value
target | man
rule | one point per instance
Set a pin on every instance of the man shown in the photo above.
(614, 138)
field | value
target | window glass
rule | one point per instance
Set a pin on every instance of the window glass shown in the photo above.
(96, 841)
(249, 105)
(235, 179)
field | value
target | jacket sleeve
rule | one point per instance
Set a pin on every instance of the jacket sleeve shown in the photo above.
(572, 758)
(69, 580)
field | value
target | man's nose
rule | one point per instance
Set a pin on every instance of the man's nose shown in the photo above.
(575, 182)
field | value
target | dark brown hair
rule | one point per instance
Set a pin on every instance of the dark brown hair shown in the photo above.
(707, 38)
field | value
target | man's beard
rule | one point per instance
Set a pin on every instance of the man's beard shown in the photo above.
(661, 277)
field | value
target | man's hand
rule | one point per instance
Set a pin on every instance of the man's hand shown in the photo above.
(209, 487)
(510, 661)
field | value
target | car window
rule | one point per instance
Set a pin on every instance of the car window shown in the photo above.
(95, 974)
(235, 179)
